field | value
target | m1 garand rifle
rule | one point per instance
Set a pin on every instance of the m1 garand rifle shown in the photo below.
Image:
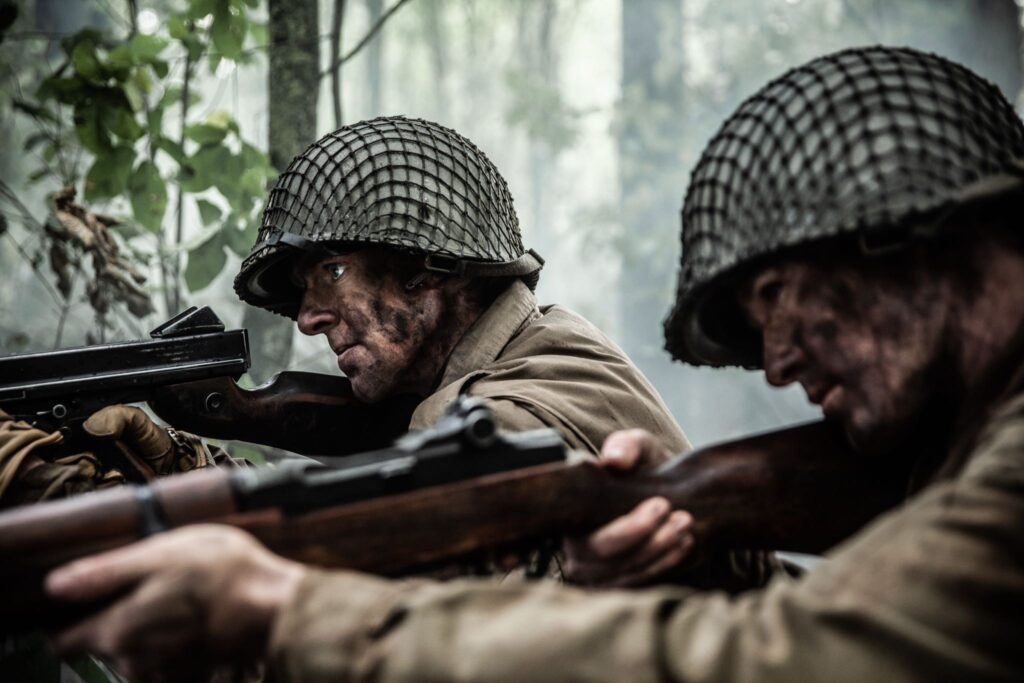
(187, 371)
(454, 489)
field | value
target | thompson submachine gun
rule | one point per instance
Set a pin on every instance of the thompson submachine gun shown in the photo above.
(55, 390)
(187, 373)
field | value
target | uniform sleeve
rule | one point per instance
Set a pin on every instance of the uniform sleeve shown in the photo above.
(933, 591)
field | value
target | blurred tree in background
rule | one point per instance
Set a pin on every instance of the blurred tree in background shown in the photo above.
(167, 119)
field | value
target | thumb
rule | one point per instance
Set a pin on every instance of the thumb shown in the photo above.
(131, 426)
(627, 449)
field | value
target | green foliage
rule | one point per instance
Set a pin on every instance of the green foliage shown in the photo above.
(149, 195)
(204, 263)
(105, 104)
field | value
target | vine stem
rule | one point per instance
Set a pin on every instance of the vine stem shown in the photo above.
(337, 63)
(173, 292)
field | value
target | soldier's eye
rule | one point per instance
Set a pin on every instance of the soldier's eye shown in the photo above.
(335, 270)
(769, 291)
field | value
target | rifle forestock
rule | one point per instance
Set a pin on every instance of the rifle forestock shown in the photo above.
(797, 489)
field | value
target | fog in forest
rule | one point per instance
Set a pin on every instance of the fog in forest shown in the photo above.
(595, 112)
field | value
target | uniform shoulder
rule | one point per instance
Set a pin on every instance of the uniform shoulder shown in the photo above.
(561, 331)
(997, 458)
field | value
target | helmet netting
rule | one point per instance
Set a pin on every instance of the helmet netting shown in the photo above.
(857, 141)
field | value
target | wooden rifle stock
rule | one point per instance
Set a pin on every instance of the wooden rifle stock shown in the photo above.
(796, 489)
(303, 412)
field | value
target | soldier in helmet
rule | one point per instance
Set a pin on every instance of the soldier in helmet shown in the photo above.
(854, 227)
(397, 240)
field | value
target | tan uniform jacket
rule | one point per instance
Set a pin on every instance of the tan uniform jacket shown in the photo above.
(932, 591)
(549, 367)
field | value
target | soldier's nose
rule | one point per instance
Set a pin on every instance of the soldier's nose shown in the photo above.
(314, 320)
(783, 359)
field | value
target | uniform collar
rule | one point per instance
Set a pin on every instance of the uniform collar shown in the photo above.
(484, 340)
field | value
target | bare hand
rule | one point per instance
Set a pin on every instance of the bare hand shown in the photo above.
(637, 547)
(184, 602)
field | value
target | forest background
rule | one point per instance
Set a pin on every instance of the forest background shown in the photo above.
(139, 138)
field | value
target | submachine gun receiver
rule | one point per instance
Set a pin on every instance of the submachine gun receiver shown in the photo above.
(55, 389)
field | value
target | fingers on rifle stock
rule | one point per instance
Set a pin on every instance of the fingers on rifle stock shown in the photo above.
(101, 576)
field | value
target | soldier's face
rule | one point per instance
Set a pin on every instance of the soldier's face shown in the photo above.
(866, 344)
(376, 328)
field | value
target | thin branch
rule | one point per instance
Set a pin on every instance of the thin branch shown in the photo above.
(57, 298)
(336, 34)
(337, 64)
(109, 10)
(133, 16)
(172, 296)
(34, 35)
(65, 309)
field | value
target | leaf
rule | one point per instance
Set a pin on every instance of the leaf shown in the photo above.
(149, 195)
(171, 96)
(134, 94)
(121, 58)
(85, 61)
(154, 123)
(205, 134)
(90, 670)
(197, 9)
(141, 79)
(64, 89)
(253, 4)
(34, 141)
(147, 48)
(172, 148)
(228, 30)
(120, 120)
(254, 158)
(254, 182)
(38, 175)
(205, 263)
(160, 68)
(178, 27)
(209, 212)
(222, 119)
(208, 166)
(240, 241)
(93, 135)
(109, 173)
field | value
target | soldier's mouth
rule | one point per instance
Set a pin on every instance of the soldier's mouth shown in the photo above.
(346, 358)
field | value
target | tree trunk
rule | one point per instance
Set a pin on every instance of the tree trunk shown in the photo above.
(293, 78)
(651, 179)
(538, 52)
(374, 58)
(994, 49)
(437, 42)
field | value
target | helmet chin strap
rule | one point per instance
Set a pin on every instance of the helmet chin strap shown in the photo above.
(417, 281)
